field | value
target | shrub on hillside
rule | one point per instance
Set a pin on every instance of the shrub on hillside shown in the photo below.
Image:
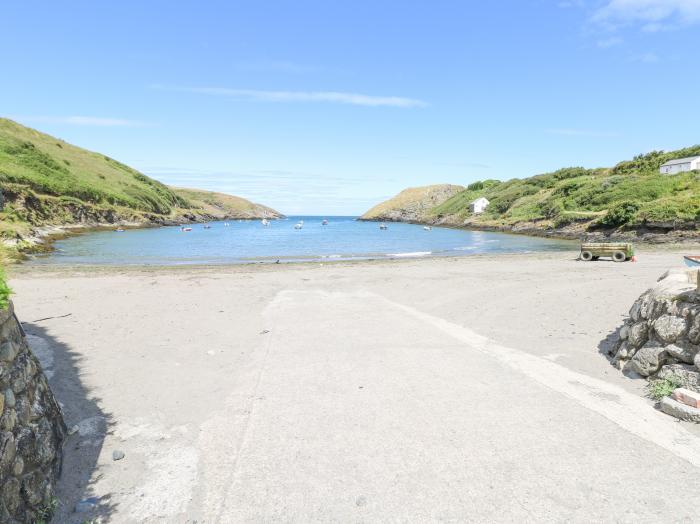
(620, 214)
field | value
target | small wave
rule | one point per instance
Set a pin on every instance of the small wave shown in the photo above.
(465, 248)
(331, 256)
(412, 254)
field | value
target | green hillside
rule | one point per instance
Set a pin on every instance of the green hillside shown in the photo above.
(632, 195)
(412, 204)
(48, 182)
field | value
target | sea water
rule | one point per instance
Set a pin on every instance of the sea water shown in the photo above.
(343, 238)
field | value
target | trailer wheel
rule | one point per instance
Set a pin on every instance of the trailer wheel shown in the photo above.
(586, 256)
(619, 256)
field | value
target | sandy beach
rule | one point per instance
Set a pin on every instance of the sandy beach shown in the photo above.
(468, 388)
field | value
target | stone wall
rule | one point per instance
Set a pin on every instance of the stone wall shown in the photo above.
(661, 337)
(31, 430)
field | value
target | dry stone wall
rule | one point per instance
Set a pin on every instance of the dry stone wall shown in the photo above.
(31, 430)
(661, 337)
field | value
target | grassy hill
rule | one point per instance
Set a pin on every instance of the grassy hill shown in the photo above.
(630, 198)
(412, 204)
(48, 182)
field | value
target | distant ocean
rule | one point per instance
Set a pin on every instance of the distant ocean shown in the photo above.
(343, 238)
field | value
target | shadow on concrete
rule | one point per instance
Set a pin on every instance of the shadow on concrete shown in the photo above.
(607, 345)
(87, 422)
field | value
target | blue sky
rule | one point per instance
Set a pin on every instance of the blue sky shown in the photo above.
(327, 108)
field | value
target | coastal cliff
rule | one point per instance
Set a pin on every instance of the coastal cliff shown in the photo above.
(412, 204)
(631, 200)
(49, 187)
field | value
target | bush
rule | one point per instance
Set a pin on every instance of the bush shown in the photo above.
(5, 291)
(620, 214)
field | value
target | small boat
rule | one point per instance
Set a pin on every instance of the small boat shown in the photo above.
(119, 230)
(185, 229)
(383, 226)
(299, 225)
(692, 261)
(207, 226)
(225, 224)
(428, 228)
(325, 222)
(265, 222)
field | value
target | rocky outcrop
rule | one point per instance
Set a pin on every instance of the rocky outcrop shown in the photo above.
(31, 430)
(661, 337)
(412, 204)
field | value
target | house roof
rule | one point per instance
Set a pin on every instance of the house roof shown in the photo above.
(680, 161)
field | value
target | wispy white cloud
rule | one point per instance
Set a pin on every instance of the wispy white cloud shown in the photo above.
(78, 120)
(338, 97)
(581, 132)
(650, 15)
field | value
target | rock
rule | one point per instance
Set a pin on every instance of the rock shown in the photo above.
(10, 494)
(635, 312)
(638, 334)
(622, 352)
(669, 328)
(8, 351)
(8, 420)
(86, 505)
(688, 376)
(9, 398)
(18, 467)
(684, 354)
(696, 361)
(647, 360)
(678, 410)
(694, 331)
(117, 454)
(624, 332)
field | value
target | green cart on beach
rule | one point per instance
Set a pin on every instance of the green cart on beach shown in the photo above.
(618, 251)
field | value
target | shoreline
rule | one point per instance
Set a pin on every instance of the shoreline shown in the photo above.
(39, 270)
(648, 237)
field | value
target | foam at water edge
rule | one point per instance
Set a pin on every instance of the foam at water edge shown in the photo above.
(414, 254)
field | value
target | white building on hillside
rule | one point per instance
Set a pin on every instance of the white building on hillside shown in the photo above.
(478, 205)
(679, 165)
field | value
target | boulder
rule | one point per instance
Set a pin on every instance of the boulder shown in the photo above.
(684, 353)
(669, 328)
(647, 360)
(638, 335)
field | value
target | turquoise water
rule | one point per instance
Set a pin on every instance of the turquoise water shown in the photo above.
(249, 241)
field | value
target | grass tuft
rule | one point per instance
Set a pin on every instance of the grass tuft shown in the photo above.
(660, 388)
